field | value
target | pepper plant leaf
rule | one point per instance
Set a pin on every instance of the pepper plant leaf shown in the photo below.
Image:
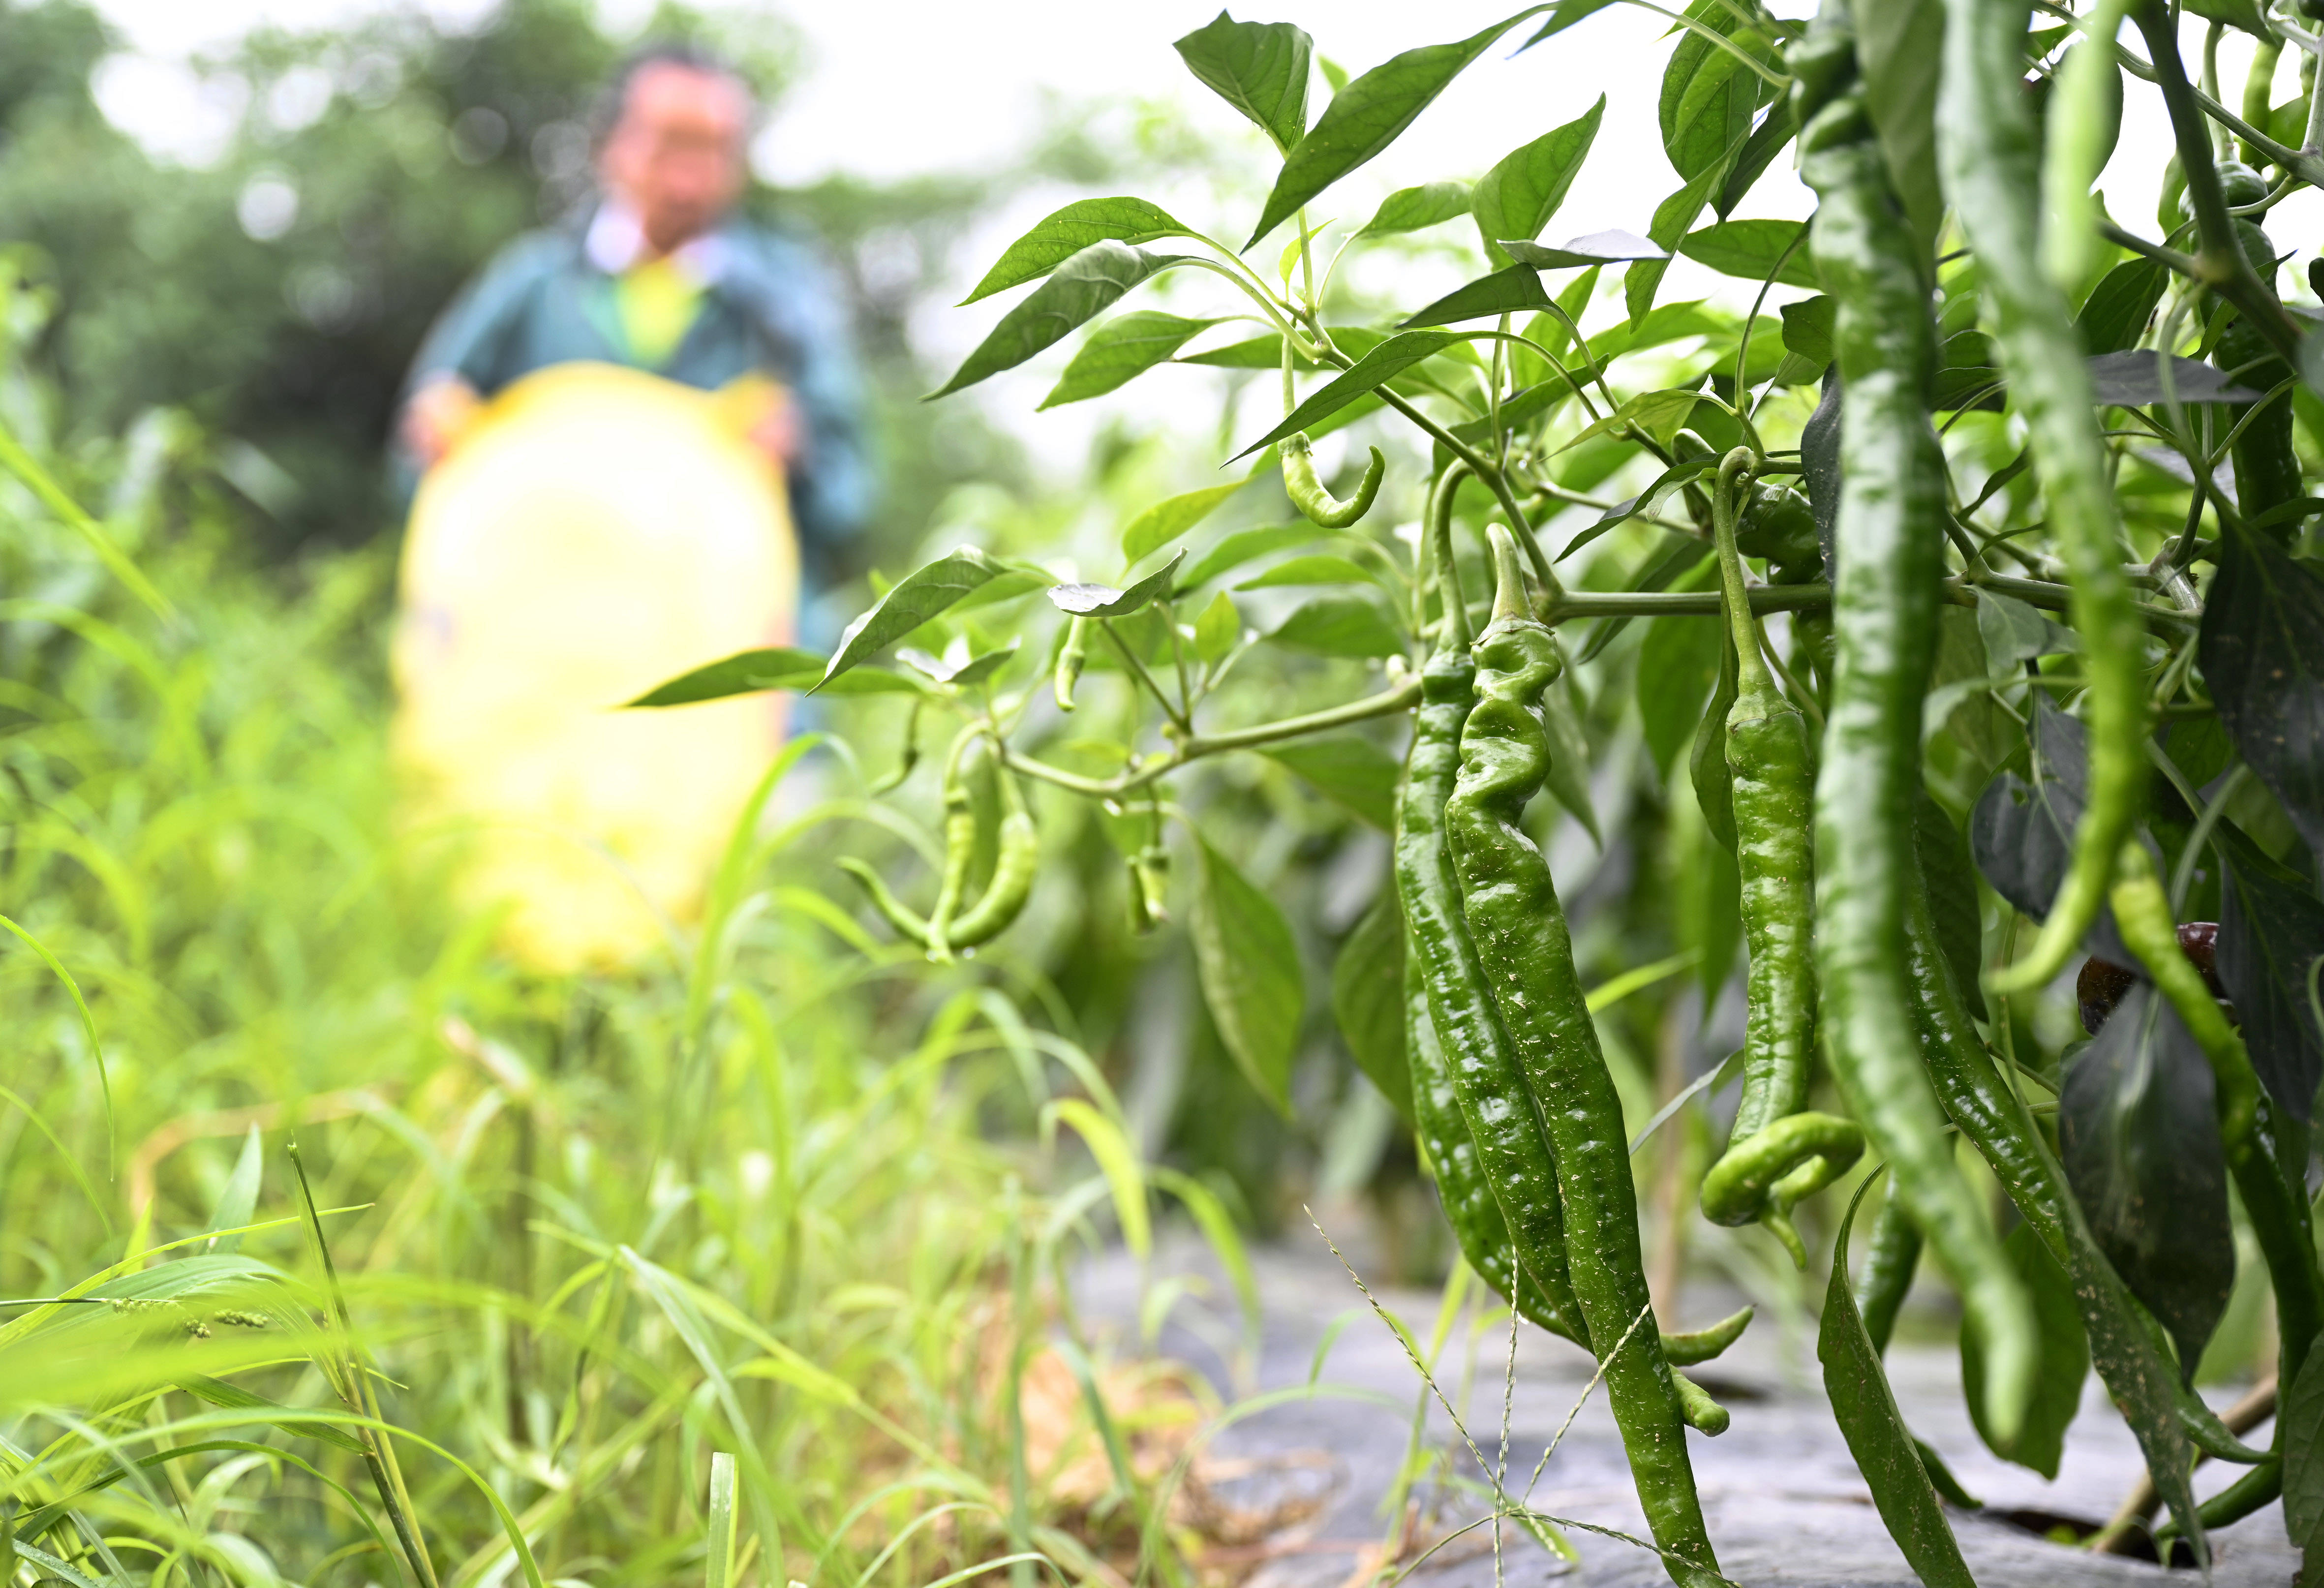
(2141, 1148)
(1340, 625)
(1066, 232)
(747, 672)
(1505, 291)
(2262, 647)
(1245, 546)
(1320, 568)
(1166, 521)
(1348, 770)
(1262, 69)
(2271, 942)
(2302, 1421)
(1105, 601)
(1368, 1000)
(2064, 1357)
(1369, 114)
(1217, 629)
(1412, 210)
(2114, 315)
(1899, 44)
(1754, 251)
(2020, 831)
(924, 592)
(1076, 292)
(1383, 364)
(1563, 15)
(1515, 198)
(1249, 965)
(1707, 95)
(1121, 350)
(2133, 378)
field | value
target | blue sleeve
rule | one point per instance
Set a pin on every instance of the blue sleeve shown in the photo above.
(472, 337)
(796, 299)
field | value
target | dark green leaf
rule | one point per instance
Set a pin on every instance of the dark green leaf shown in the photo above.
(2134, 379)
(1367, 115)
(1351, 772)
(2302, 1421)
(1260, 68)
(1674, 216)
(1166, 521)
(1319, 568)
(1621, 513)
(1569, 756)
(1505, 291)
(1808, 329)
(2262, 647)
(2013, 632)
(1105, 601)
(1412, 210)
(1819, 460)
(1677, 556)
(1660, 414)
(1368, 1000)
(1607, 247)
(1866, 1409)
(1120, 351)
(1070, 230)
(917, 597)
(1952, 879)
(1515, 198)
(1076, 292)
(1967, 377)
(1713, 779)
(1252, 353)
(782, 666)
(1677, 666)
(2064, 1361)
(2141, 1147)
(1941, 1477)
(1249, 965)
(1382, 364)
(1776, 130)
(2236, 14)
(1340, 625)
(1898, 46)
(1751, 249)
(1707, 95)
(1563, 15)
(2116, 313)
(2271, 937)
(1243, 545)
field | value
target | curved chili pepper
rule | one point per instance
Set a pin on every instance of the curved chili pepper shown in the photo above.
(960, 842)
(1317, 504)
(1772, 794)
(1513, 1148)
(1513, 912)
(1891, 1254)
(1985, 140)
(1004, 897)
(1889, 539)
(1071, 656)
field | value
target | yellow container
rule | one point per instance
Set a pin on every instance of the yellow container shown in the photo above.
(594, 531)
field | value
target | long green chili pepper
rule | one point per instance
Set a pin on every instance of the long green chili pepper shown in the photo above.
(1004, 896)
(1071, 658)
(2247, 1121)
(1889, 540)
(1985, 136)
(1316, 503)
(1513, 913)
(1772, 784)
(1890, 1256)
(2266, 469)
(960, 840)
(1513, 1148)
(1467, 1196)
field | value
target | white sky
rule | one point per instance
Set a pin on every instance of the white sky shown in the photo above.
(909, 86)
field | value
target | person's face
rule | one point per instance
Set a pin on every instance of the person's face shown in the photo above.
(676, 156)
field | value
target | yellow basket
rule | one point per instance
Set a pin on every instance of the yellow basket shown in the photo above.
(594, 531)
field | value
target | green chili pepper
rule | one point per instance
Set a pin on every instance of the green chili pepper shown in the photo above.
(1891, 1255)
(1889, 540)
(2266, 469)
(1513, 1148)
(1071, 658)
(1773, 795)
(960, 841)
(2247, 1121)
(1512, 910)
(1309, 497)
(1986, 138)
(1004, 896)
(1702, 1414)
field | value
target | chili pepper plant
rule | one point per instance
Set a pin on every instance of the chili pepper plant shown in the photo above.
(1995, 541)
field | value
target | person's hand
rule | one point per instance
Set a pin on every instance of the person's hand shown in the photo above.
(437, 412)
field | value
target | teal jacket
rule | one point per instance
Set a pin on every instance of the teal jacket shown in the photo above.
(770, 307)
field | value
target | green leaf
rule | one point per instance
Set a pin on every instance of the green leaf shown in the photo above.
(2114, 315)
(2302, 1422)
(1382, 364)
(1368, 1000)
(1068, 231)
(2141, 1148)
(746, 673)
(959, 664)
(1260, 68)
(1708, 96)
(1808, 329)
(2064, 1354)
(1899, 44)
(1367, 115)
(1679, 559)
(1563, 15)
(1608, 247)
(1751, 248)
(1866, 1409)
(2271, 937)
(1678, 664)
(1340, 625)
(1350, 771)
(1117, 1160)
(1672, 218)
(1569, 756)
(1412, 210)
(1776, 130)
(1249, 965)
(1105, 601)
(1320, 568)
(2133, 378)
(1515, 198)
(2236, 14)
(1952, 879)
(917, 597)
(1164, 521)
(1121, 350)
(1076, 292)
(1660, 414)
(2262, 647)
(1217, 629)
(235, 1398)
(1505, 291)
(237, 1202)
(1706, 765)
(1243, 545)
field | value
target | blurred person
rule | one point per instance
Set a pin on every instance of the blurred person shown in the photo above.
(630, 435)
